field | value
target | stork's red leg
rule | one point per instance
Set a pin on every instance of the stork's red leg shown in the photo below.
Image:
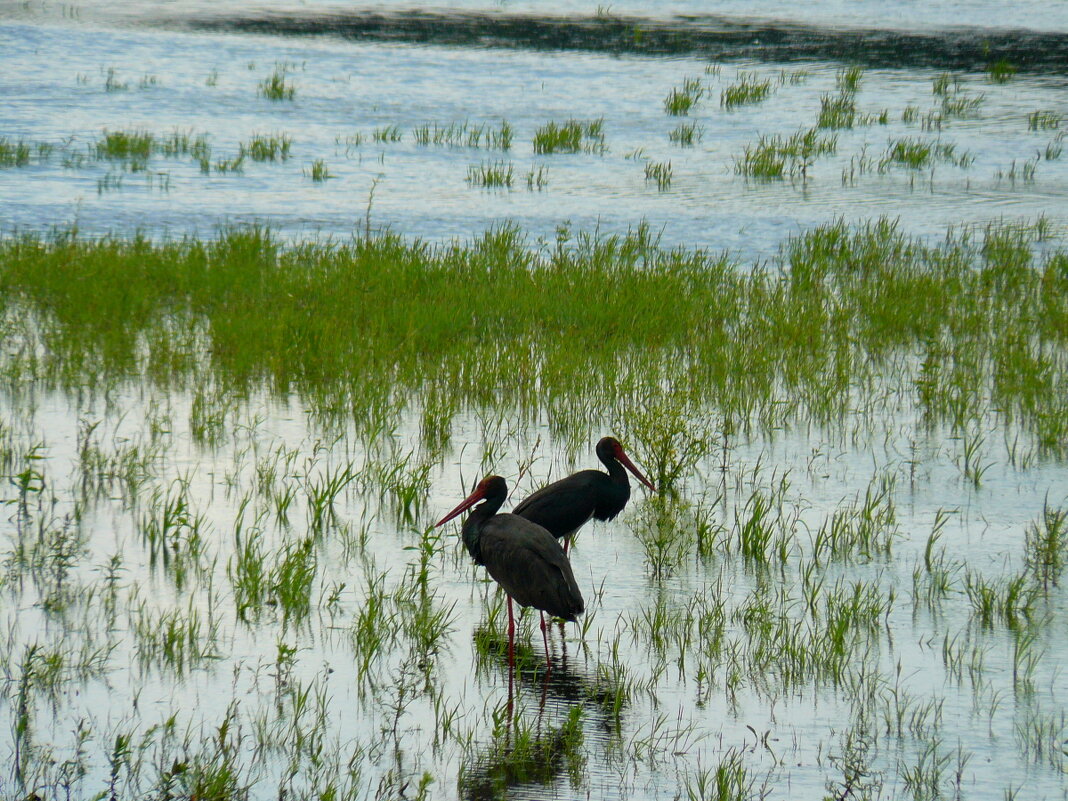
(511, 634)
(545, 639)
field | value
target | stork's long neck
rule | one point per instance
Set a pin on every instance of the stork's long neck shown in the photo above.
(616, 471)
(472, 530)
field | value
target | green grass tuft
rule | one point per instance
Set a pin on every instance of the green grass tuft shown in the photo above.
(276, 87)
(774, 157)
(680, 102)
(747, 91)
(572, 136)
(491, 174)
(263, 147)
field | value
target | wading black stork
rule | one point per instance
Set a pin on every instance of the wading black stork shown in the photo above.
(566, 505)
(521, 556)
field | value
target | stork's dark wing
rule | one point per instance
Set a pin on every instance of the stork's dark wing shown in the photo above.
(530, 565)
(565, 505)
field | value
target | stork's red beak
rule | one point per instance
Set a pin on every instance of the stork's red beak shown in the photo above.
(627, 463)
(467, 503)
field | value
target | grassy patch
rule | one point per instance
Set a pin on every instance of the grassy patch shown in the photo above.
(464, 134)
(1001, 71)
(680, 101)
(920, 153)
(276, 86)
(318, 171)
(686, 134)
(848, 79)
(776, 157)
(837, 111)
(408, 309)
(122, 145)
(659, 171)
(1043, 120)
(747, 91)
(265, 147)
(13, 154)
(387, 134)
(491, 174)
(571, 136)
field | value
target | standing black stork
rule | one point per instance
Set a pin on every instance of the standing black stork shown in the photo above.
(521, 556)
(566, 505)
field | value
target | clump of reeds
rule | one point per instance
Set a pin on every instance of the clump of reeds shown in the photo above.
(133, 145)
(318, 171)
(837, 111)
(1043, 119)
(659, 171)
(276, 86)
(747, 91)
(686, 134)
(848, 79)
(1001, 71)
(387, 133)
(680, 101)
(491, 174)
(464, 134)
(571, 136)
(919, 153)
(267, 147)
(776, 157)
(13, 154)
(538, 177)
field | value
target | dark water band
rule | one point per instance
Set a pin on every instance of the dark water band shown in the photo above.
(707, 37)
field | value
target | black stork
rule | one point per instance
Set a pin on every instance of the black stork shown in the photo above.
(521, 556)
(566, 505)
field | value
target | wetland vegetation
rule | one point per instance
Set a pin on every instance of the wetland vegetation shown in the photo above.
(222, 449)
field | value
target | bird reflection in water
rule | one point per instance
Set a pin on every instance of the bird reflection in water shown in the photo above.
(527, 747)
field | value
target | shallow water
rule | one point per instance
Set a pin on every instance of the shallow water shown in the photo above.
(55, 81)
(662, 735)
(381, 729)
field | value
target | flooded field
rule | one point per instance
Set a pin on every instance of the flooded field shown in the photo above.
(271, 305)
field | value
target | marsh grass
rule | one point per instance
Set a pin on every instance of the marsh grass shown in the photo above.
(235, 164)
(496, 174)
(837, 111)
(465, 134)
(1020, 170)
(1043, 120)
(572, 136)
(1046, 544)
(126, 145)
(660, 172)
(521, 753)
(1011, 600)
(318, 171)
(537, 177)
(889, 292)
(686, 134)
(1001, 71)
(866, 528)
(387, 134)
(14, 154)
(848, 79)
(680, 101)
(918, 153)
(183, 143)
(961, 105)
(112, 82)
(276, 86)
(267, 147)
(774, 157)
(749, 90)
